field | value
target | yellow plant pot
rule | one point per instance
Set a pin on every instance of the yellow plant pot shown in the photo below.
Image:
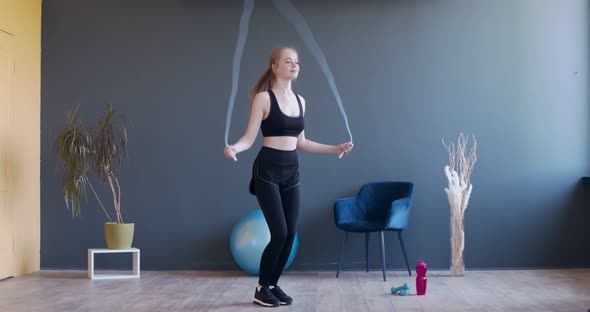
(118, 235)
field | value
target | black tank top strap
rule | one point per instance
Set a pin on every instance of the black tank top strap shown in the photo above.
(300, 106)
(273, 101)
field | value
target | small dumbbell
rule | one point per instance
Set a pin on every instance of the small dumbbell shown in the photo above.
(401, 289)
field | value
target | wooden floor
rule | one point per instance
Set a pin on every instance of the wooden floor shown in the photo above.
(534, 290)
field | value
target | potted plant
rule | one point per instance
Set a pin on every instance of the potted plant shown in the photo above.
(83, 150)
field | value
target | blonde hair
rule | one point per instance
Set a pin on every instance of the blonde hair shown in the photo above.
(267, 78)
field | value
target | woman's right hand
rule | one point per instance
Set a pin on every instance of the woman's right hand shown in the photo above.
(230, 152)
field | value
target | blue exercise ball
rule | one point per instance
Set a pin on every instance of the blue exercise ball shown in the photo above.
(248, 240)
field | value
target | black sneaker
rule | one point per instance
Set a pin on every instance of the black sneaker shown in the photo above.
(264, 297)
(281, 295)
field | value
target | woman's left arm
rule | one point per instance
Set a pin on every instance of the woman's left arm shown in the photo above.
(310, 146)
(314, 147)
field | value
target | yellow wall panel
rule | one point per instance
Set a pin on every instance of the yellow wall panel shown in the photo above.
(20, 22)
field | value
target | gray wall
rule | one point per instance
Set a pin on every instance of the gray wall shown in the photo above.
(513, 73)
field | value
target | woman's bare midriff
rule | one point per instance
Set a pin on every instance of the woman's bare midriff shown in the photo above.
(285, 143)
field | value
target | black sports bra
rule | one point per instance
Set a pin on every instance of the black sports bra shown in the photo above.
(279, 124)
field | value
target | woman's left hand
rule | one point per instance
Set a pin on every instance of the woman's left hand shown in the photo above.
(345, 148)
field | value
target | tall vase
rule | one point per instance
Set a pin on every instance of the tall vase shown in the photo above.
(457, 245)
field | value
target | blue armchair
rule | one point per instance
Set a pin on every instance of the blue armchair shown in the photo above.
(378, 207)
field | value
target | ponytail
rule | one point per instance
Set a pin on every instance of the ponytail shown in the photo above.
(264, 83)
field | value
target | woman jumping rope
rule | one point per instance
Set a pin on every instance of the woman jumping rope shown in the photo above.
(278, 112)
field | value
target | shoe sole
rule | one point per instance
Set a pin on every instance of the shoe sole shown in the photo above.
(286, 303)
(264, 304)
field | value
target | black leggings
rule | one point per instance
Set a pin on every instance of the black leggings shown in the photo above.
(275, 182)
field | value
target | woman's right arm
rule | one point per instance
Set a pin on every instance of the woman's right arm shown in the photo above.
(260, 102)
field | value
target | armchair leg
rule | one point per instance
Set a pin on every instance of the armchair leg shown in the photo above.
(383, 255)
(340, 254)
(401, 241)
(367, 249)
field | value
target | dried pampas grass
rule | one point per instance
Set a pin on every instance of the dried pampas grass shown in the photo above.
(458, 174)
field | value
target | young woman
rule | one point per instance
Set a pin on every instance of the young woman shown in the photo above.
(278, 112)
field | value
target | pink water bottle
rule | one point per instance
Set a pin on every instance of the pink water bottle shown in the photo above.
(421, 278)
